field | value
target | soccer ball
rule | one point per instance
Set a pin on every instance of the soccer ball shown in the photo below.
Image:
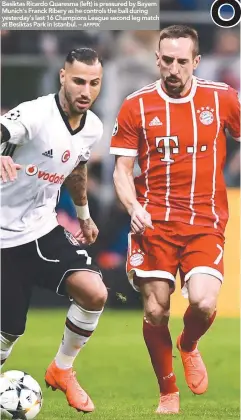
(20, 396)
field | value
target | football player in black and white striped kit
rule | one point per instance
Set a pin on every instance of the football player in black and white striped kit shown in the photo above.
(44, 143)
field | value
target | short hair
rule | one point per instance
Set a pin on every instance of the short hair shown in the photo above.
(181, 31)
(84, 55)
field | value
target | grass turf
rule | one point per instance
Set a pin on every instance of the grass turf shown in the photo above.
(115, 368)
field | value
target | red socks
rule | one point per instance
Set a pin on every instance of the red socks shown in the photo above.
(194, 327)
(159, 345)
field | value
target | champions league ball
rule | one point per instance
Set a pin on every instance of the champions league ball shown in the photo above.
(20, 396)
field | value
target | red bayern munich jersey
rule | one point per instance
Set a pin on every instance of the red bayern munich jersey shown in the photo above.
(181, 149)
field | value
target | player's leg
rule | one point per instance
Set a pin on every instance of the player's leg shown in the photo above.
(89, 296)
(156, 301)
(15, 298)
(69, 270)
(149, 262)
(203, 265)
(203, 290)
(7, 342)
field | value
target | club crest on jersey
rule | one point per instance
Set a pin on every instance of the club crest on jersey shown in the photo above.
(31, 170)
(65, 156)
(206, 115)
(137, 258)
(115, 129)
(71, 238)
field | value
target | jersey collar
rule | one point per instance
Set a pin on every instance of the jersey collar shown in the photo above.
(183, 100)
(65, 118)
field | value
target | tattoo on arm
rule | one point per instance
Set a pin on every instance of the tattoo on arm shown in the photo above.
(76, 184)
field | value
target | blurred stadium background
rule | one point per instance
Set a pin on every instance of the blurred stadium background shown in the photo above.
(30, 64)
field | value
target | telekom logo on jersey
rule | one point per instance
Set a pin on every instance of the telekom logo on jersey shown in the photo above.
(164, 144)
(55, 178)
(169, 144)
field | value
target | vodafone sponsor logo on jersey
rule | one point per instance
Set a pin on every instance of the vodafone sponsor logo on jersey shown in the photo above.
(31, 170)
(54, 178)
(44, 175)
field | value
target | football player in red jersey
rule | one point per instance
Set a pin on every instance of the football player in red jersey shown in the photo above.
(178, 205)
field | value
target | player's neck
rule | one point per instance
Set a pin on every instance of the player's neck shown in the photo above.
(74, 120)
(182, 94)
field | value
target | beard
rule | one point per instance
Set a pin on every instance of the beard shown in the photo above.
(74, 110)
(174, 89)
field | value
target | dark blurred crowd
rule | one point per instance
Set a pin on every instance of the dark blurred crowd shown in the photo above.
(129, 63)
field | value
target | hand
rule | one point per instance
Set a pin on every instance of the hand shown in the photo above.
(140, 219)
(8, 169)
(88, 232)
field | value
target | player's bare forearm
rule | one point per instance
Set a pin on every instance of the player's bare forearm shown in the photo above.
(124, 181)
(125, 188)
(76, 184)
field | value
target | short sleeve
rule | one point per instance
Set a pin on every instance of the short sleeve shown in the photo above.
(100, 132)
(125, 136)
(22, 122)
(233, 114)
(94, 137)
(86, 152)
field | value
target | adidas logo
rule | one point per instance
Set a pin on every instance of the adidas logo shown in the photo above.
(49, 153)
(155, 121)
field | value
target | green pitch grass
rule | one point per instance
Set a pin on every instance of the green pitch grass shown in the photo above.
(115, 368)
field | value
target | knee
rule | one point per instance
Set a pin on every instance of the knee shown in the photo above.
(204, 306)
(87, 290)
(98, 299)
(157, 314)
(94, 299)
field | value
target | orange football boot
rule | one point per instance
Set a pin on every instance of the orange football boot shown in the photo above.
(65, 380)
(169, 404)
(195, 369)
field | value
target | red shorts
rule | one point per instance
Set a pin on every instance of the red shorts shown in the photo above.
(159, 253)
